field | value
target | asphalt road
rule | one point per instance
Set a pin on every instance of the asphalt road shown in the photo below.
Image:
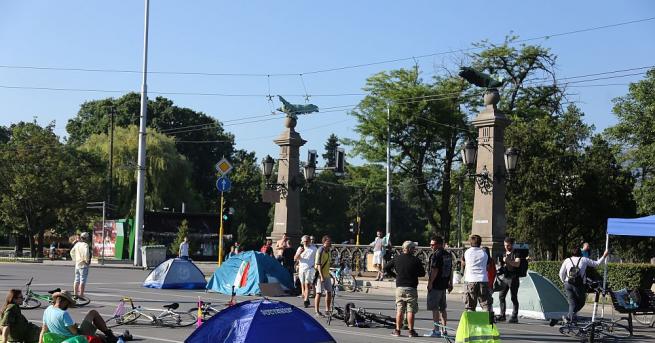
(107, 285)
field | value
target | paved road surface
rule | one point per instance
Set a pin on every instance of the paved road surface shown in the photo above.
(107, 285)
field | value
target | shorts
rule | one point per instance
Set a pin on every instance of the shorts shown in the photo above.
(31, 335)
(87, 328)
(325, 286)
(81, 274)
(306, 275)
(406, 299)
(437, 300)
(377, 257)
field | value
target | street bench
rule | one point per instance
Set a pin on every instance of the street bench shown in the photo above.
(644, 307)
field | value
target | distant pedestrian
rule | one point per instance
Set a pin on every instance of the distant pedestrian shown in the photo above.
(184, 249)
(475, 264)
(379, 244)
(288, 258)
(440, 280)
(408, 268)
(53, 249)
(324, 280)
(305, 256)
(280, 245)
(586, 250)
(267, 248)
(81, 255)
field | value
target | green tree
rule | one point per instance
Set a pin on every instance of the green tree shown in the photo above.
(45, 185)
(200, 138)
(330, 148)
(634, 138)
(425, 127)
(168, 173)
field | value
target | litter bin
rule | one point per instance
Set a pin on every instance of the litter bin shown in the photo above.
(153, 255)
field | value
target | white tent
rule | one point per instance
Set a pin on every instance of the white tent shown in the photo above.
(538, 297)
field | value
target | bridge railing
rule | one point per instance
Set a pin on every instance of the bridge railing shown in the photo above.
(355, 255)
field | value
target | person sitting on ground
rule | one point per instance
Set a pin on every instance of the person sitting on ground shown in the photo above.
(15, 327)
(57, 320)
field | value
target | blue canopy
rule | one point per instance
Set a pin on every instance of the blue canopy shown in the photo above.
(644, 226)
(245, 271)
(261, 320)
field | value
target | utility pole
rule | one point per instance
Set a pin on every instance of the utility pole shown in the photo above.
(111, 155)
(141, 175)
(459, 212)
(388, 216)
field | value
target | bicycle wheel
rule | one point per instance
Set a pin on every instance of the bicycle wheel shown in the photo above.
(645, 319)
(614, 330)
(570, 330)
(125, 319)
(81, 301)
(30, 303)
(206, 313)
(383, 319)
(178, 319)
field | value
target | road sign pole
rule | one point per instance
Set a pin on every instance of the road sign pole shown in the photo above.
(220, 234)
(103, 232)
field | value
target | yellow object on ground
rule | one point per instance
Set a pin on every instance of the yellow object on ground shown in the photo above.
(476, 327)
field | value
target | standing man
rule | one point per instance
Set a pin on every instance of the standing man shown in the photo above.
(280, 245)
(475, 264)
(441, 267)
(586, 250)
(379, 245)
(509, 281)
(573, 274)
(408, 268)
(305, 256)
(184, 249)
(267, 248)
(81, 255)
(324, 280)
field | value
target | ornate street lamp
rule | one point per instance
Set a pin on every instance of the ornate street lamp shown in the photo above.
(310, 172)
(485, 179)
(267, 166)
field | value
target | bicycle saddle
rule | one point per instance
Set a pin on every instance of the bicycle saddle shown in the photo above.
(29, 282)
(172, 306)
(53, 291)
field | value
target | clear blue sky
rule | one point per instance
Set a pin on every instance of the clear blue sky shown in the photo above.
(267, 37)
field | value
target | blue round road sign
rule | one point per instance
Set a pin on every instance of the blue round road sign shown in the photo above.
(223, 184)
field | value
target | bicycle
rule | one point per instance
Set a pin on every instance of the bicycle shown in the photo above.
(33, 300)
(645, 319)
(344, 278)
(207, 310)
(166, 318)
(596, 328)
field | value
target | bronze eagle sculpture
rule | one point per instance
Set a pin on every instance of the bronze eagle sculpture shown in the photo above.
(294, 110)
(479, 79)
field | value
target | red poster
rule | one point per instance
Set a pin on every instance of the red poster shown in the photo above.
(109, 239)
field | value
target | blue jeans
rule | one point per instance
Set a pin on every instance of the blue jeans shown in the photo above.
(576, 297)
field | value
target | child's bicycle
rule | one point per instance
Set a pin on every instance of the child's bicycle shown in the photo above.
(166, 318)
(33, 300)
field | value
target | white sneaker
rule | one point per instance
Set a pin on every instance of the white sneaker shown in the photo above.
(433, 333)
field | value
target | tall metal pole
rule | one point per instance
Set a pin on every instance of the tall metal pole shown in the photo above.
(459, 212)
(103, 232)
(111, 156)
(388, 216)
(141, 176)
(220, 233)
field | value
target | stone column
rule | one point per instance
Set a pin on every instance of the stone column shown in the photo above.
(287, 210)
(489, 219)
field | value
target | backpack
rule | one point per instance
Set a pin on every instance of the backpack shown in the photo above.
(574, 274)
(523, 268)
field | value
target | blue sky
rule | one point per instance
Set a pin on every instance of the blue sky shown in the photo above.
(291, 37)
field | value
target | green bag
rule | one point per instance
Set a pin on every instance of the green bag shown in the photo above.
(76, 339)
(476, 327)
(51, 337)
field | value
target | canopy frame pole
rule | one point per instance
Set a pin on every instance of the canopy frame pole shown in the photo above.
(607, 244)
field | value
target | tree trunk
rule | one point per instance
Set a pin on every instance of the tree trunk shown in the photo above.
(18, 252)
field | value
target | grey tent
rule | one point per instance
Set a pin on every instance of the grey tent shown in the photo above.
(538, 297)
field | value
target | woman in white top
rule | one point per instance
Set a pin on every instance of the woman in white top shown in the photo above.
(575, 291)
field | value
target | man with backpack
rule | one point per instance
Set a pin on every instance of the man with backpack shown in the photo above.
(573, 275)
(509, 281)
(441, 272)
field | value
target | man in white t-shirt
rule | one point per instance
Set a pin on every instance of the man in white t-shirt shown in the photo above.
(305, 256)
(575, 290)
(475, 262)
(379, 244)
(184, 249)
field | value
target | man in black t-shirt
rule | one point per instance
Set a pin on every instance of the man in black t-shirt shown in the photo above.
(509, 281)
(441, 267)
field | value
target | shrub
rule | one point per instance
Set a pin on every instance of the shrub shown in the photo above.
(619, 275)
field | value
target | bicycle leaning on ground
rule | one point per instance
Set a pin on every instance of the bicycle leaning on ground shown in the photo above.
(33, 300)
(344, 277)
(167, 317)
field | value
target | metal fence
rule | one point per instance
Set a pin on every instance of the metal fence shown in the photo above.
(355, 255)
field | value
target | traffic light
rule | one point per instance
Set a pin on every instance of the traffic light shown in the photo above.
(340, 160)
(226, 211)
(311, 157)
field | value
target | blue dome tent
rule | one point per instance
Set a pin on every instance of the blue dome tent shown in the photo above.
(176, 273)
(261, 320)
(245, 271)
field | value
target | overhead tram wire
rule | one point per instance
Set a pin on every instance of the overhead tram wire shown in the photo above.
(326, 70)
